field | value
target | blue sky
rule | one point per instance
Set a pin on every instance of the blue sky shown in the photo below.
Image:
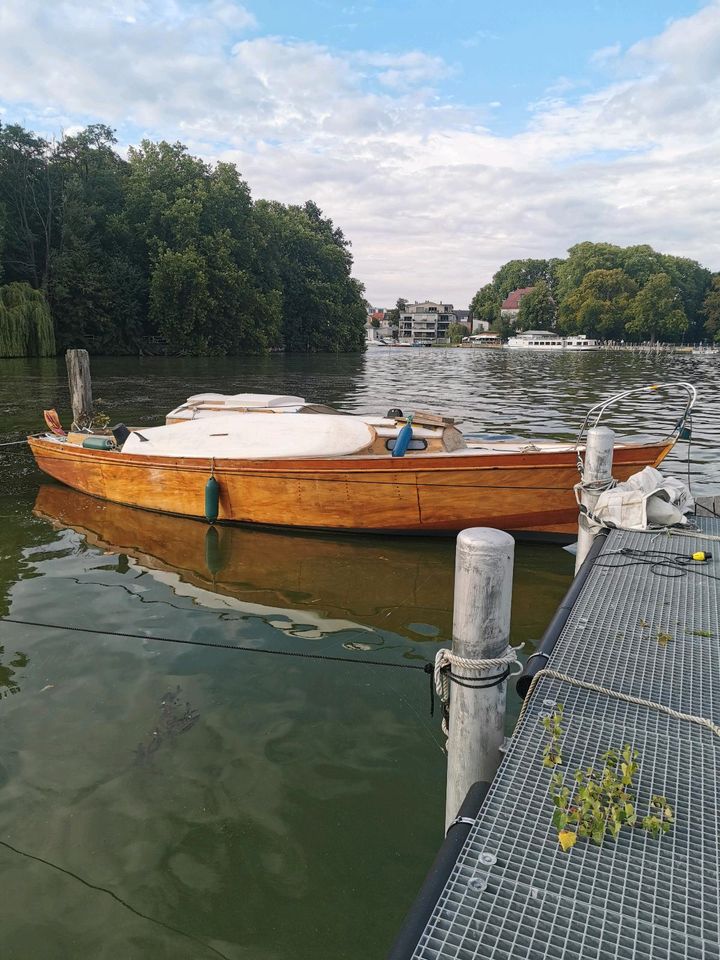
(443, 137)
(505, 51)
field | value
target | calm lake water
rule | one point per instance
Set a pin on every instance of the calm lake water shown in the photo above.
(159, 800)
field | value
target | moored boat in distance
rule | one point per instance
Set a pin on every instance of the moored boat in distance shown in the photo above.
(331, 471)
(545, 340)
(581, 342)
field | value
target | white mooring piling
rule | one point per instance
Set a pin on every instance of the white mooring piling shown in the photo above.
(80, 383)
(481, 630)
(597, 475)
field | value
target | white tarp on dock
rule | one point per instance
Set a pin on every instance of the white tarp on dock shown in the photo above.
(647, 499)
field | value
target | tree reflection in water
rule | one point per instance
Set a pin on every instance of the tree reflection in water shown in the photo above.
(7, 682)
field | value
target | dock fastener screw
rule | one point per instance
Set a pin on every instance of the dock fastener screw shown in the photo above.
(477, 882)
(488, 859)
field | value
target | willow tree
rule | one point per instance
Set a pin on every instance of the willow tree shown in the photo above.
(26, 329)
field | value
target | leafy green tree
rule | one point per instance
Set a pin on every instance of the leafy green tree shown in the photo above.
(194, 233)
(601, 305)
(657, 311)
(485, 305)
(711, 309)
(308, 260)
(584, 258)
(2, 237)
(456, 331)
(693, 282)
(513, 275)
(26, 329)
(522, 273)
(29, 197)
(393, 316)
(538, 310)
(640, 263)
(97, 294)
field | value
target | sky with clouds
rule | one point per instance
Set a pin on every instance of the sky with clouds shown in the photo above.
(444, 137)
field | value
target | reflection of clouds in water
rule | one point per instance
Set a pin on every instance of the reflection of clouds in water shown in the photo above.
(313, 626)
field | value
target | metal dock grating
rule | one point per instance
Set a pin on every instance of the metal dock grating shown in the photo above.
(513, 893)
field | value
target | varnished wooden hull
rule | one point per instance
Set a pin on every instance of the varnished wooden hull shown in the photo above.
(520, 492)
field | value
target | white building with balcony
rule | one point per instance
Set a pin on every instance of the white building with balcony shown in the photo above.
(426, 322)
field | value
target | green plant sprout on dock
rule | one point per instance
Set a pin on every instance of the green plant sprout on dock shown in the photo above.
(602, 801)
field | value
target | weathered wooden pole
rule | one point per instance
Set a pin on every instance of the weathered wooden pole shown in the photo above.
(597, 473)
(78, 368)
(481, 630)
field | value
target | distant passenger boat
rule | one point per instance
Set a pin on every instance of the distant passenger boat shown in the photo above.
(544, 340)
(581, 342)
(331, 471)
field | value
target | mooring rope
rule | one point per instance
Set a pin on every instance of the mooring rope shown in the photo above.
(16, 443)
(616, 695)
(443, 674)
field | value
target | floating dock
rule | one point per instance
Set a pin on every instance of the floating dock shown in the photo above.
(636, 630)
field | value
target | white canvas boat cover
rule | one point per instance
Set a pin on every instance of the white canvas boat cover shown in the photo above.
(245, 400)
(644, 501)
(211, 404)
(254, 436)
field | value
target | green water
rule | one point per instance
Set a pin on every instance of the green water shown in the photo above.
(247, 805)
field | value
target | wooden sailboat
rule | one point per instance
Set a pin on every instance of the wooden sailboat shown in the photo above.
(327, 472)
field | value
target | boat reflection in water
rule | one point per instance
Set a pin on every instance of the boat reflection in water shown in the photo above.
(390, 584)
(397, 585)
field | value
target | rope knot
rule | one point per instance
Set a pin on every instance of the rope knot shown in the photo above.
(445, 660)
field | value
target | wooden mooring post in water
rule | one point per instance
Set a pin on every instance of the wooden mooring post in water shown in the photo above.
(78, 368)
(481, 631)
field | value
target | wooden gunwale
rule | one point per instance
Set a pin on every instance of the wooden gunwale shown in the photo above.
(430, 463)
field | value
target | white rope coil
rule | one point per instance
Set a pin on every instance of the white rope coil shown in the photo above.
(445, 660)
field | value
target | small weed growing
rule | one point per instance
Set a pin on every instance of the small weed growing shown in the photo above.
(602, 801)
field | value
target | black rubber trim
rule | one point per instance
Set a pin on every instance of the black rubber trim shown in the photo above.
(536, 661)
(420, 912)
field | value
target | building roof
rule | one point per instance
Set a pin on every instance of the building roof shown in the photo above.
(512, 301)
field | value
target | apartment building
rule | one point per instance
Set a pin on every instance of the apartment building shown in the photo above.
(426, 322)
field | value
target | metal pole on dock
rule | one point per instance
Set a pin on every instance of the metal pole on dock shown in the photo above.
(597, 473)
(78, 368)
(481, 630)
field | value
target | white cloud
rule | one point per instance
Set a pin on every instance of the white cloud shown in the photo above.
(432, 200)
(403, 71)
(475, 39)
(606, 54)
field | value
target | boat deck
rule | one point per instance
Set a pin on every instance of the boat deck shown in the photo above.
(473, 448)
(513, 893)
